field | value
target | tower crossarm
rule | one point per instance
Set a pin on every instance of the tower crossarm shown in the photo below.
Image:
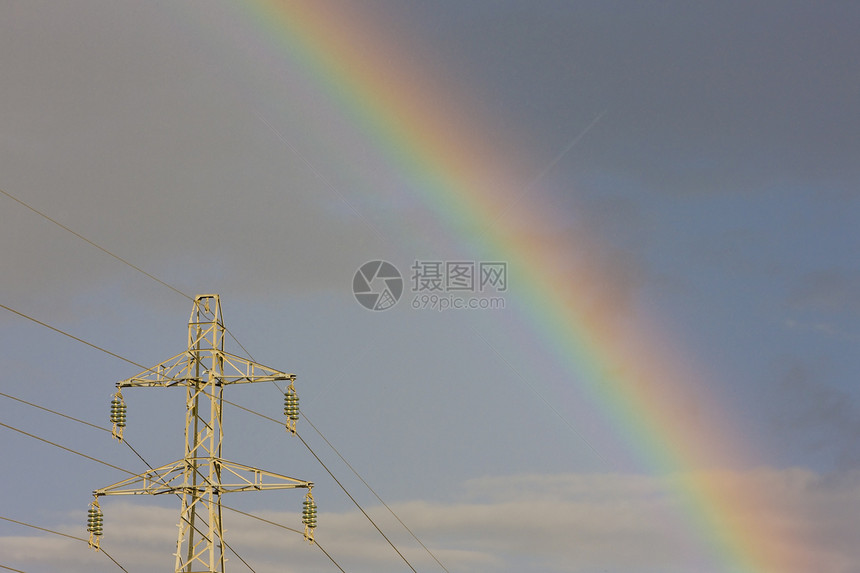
(166, 479)
(247, 478)
(185, 370)
(171, 478)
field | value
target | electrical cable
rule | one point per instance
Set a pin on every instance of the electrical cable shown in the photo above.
(10, 569)
(72, 336)
(75, 338)
(102, 249)
(153, 277)
(276, 524)
(101, 550)
(28, 434)
(149, 466)
(111, 466)
(367, 485)
(23, 315)
(78, 420)
(107, 252)
(96, 426)
(337, 481)
(98, 460)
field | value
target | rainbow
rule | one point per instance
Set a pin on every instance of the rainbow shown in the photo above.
(442, 150)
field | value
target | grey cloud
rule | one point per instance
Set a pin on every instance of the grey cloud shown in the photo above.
(574, 523)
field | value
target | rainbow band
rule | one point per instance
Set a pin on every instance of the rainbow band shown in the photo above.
(408, 122)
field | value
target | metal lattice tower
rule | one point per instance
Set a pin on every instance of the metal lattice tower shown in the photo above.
(202, 475)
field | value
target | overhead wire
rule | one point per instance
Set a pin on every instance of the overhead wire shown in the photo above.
(89, 424)
(187, 296)
(337, 481)
(367, 485)
(528, 188)
(96, 426)
(78, 420)
(125, 441)
(72, 336)
(60, 331)
(92, 243)
(83, 455)
(108, 464)
(90, 457)
(28, 434)
(171, 287)
(353, 470)
(101, 550)
(109, 253)
(282, 526)
(101, 461)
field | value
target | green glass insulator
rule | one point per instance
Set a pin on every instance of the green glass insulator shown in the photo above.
(95, 521)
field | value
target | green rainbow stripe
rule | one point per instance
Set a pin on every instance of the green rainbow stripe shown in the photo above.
(435, 147)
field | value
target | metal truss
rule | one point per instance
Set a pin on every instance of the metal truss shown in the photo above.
(202, 475)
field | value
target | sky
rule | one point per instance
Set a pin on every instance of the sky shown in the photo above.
(665, 382)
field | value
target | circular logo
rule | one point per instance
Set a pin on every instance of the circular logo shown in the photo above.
(377, 285)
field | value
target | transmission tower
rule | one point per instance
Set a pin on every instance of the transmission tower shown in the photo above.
(202, 475)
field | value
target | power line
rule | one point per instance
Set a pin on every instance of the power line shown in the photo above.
(76, 338)
(150, 467)
(95, 459)
(354, 471)
(367, 485)
(78, 420)
(227, 545)
(64, 333)
(72, 336)
(276, 524)
(99, 247)
(23, 315)
(153, 277)
(115, 256)
(104, 463)
(101, 550)
(337, 481)
(55, 412)
(10, 569)
(96, 426)
(90, 457)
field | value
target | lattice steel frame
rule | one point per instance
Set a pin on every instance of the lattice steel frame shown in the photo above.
(199, 478)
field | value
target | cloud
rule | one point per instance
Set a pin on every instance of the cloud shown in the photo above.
(575, 523)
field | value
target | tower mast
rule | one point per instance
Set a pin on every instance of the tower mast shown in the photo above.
(203, 475)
